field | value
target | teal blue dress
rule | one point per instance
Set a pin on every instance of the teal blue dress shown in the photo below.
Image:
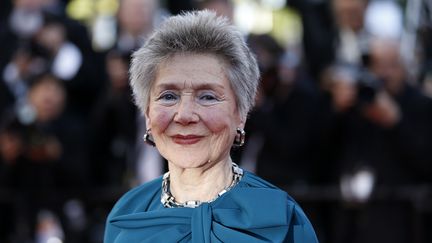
(252, 211)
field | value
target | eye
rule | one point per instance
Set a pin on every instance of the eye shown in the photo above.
(207, 98)
(168, 97)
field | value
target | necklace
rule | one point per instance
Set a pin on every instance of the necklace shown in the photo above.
(168, 200)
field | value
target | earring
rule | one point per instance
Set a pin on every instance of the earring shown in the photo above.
(147, 138)
(240, 137)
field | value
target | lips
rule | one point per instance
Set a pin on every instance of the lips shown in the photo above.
(186, 139)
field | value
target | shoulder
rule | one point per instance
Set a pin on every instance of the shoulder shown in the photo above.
(279, 202)
(251, 180)
(140, 198)
(267, 192)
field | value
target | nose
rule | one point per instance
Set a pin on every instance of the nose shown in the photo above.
(186, 111)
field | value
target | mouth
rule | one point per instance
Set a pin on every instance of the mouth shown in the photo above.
(186, 139)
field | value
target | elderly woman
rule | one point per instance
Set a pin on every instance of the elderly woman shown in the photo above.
(195, 80)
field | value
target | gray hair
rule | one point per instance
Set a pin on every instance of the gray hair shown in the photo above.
(196, 32)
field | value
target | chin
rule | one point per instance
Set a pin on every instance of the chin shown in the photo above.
(185, 163)
(192, 160)
(193, 156)
(188, 158)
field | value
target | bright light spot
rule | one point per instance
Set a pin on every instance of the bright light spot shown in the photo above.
(253, 18)
(362, 184)
(54, 240)
(244, 16)
(80, 9)
(384, 19)
(274, 4)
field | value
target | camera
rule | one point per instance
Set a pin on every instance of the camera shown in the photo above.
(368, 85)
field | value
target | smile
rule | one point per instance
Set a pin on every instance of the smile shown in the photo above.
(186, 139)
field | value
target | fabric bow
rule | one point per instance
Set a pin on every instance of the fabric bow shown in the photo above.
(244, 215)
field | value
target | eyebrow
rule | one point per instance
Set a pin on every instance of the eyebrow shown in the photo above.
(200, 86)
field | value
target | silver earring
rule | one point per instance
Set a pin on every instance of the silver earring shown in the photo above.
(147, 138)
(240, 137)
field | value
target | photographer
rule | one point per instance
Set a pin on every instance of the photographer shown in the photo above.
(383, 133)
(40, 155)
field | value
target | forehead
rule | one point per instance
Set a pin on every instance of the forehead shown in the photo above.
(192, 69)
(45, 81)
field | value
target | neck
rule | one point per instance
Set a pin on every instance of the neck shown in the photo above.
(203, 183)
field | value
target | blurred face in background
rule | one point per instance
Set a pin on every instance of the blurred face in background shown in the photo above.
(349, 14)
(386, 63)
(341, 85)
(29, 4)
(221, 7)
(136, 16)
(47, 96)
(51, 36)
(26, 17)
(117, 69)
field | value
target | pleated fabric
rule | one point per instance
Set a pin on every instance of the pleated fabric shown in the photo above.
(252, 211)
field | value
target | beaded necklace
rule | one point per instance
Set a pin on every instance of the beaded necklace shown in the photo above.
(168, 200)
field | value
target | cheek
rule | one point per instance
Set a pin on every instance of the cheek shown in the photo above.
(218, 121)
(160, 119)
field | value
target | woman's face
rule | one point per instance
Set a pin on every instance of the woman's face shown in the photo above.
(48, 98)
(192, 111)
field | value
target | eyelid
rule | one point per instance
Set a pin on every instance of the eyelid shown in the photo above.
(162, 97)
(165, 92)
(209, 98)
(199, 94)
(209, 92)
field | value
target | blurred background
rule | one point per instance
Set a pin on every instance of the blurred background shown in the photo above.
(343, 119)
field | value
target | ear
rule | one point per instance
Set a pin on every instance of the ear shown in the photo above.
(241, 125)
(240, 119)
(147, 122)
(147, 119)
(241, 122)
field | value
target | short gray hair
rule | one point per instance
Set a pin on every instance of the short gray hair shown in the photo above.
(196, 32)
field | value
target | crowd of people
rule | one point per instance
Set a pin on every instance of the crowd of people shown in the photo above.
(341, 120)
